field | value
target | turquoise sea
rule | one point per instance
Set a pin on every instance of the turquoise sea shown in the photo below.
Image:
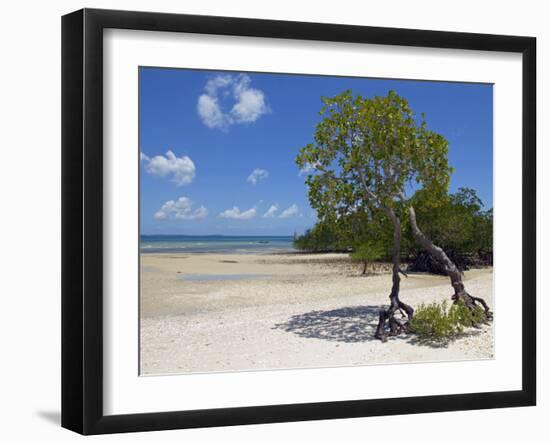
(215, 243)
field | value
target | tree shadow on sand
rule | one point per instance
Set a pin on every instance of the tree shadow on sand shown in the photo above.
(352, 324)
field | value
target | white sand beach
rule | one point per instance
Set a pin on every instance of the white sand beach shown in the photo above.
(226, 312)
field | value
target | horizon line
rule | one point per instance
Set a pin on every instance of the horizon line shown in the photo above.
(219, 235)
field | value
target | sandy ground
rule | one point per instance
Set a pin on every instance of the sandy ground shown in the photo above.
(222, 312)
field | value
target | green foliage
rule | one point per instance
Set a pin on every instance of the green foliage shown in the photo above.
(365, 153)
(369, 251)
(483, 234)
(436, 322)
(466, 317)
(456, 223)
(369, 228)
(364, 234)
(323, 237)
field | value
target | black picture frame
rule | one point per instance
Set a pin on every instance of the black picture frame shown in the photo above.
(82, 218)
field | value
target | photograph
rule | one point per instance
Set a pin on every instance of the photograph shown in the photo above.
(292, 221)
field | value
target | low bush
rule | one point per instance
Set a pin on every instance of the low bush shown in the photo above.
(437, 322)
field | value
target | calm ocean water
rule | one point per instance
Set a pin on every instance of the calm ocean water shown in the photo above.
(215, 243)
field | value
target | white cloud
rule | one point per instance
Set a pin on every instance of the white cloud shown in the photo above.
(236, 214)
(289, 212)
(210, 112)
(218, 82)
(256, 175)
(249, 104)
(271, 211)
(181, 170)
(181, 209)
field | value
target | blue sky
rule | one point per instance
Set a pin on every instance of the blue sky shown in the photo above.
(218, 148)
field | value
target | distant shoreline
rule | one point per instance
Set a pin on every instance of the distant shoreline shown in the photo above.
(148, 251)
(215, 235)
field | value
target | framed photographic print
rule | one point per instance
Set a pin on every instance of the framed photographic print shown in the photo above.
(269, 221)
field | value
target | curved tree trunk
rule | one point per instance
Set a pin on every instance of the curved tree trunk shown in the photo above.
(388, 316)
(450, 268)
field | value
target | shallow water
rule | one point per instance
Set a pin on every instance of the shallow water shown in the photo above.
(215, 243)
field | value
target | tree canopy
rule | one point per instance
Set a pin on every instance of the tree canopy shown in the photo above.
(368, 152)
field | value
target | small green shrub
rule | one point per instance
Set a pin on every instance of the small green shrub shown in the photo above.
(437, 322)
(466, 317)
(368, 252)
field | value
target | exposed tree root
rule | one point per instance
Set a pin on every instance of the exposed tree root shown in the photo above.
(470, 301)
(387, 316)
(396, 326)
(450, 268)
